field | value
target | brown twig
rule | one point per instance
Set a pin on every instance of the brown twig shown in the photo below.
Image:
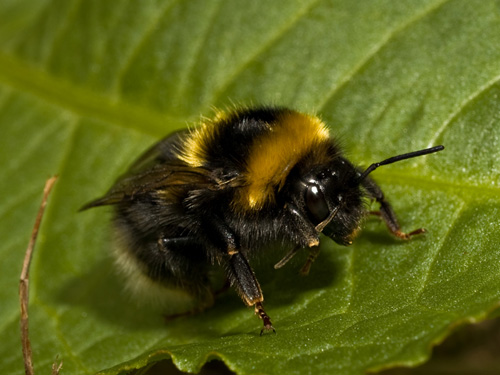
(24, 282)
(56, 367)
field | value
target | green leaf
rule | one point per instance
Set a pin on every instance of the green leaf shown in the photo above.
(85, 86)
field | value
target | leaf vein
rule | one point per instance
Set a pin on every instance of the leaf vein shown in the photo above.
(60, 334)
(452, 222)
(273, 39)
(63, 30)
(469, 99)
(135, 49)
(191, 63)
(384, 41)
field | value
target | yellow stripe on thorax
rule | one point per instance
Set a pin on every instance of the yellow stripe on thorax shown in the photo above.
(274, 154)
(194, 152)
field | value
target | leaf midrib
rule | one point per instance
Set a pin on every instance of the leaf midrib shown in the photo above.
(85, 103)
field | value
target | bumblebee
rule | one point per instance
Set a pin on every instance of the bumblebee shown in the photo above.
(223, 192)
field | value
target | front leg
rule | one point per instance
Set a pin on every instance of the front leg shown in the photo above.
(308, 234)
(386, 211)
(308, 237)
(313, 254)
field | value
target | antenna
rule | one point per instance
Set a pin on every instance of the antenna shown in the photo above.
(394, 159)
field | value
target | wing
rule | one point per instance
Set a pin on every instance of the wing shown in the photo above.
(162, 177)
(157, 169)
(163, 152)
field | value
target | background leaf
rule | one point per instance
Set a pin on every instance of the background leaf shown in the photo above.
(85, 86)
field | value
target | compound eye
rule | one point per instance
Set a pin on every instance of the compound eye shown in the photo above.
(316, 203)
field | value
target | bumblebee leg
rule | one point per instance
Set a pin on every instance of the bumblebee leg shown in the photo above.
(223, 288)
(313, 254)
(287, 257)
(238, 270)
(309, 235)
(243, 279)
(179, 243)
(304, 271)
(386, 211)
(268, 326)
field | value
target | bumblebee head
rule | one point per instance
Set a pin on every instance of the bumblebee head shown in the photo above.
(332, 196)
(332, 199)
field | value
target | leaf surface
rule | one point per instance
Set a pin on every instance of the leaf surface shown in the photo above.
(85, 87)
